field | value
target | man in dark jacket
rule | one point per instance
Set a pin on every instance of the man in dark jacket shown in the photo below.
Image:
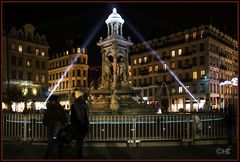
(55, 119)
(80, 121)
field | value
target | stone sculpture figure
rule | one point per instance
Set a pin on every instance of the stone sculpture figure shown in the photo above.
(122, 70)
(107, 70)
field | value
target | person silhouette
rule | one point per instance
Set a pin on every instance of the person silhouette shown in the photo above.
(80, 121)
(55, 119)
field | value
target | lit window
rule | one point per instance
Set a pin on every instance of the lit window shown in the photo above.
(156, 68)
(179, 51)
(201, 33)
(43, 53)
(195, 75)
(150, 69)
(67, 52)
(186, 37)
(20, 48)
(194, 34)
(37, 51)
(173, 65)
(140, 60)
(202, 73)
(173, 53)
(179, 89)
(28, 63)
(25, 91)
(135, 61)
(78, 50)
(165, 67)
(34, 91)
(145, 59)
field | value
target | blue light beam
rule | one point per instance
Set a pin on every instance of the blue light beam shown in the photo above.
(153, 52)
(85, 44)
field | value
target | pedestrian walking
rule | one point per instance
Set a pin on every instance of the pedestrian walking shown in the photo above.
(55, 119)
(79, 121)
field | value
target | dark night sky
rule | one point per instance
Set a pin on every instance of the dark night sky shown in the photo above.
(63, 21)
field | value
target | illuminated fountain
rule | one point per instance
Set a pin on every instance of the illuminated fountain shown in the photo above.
(115, 94)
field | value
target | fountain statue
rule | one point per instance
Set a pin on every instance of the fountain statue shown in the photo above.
(114, 94)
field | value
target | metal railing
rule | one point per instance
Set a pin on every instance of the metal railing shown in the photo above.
(121, 127)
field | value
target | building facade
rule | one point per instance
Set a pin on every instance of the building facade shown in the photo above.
(201, 58)
(68, 71)
(25, 56)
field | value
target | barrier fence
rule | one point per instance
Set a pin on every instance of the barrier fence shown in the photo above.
(123, 127)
